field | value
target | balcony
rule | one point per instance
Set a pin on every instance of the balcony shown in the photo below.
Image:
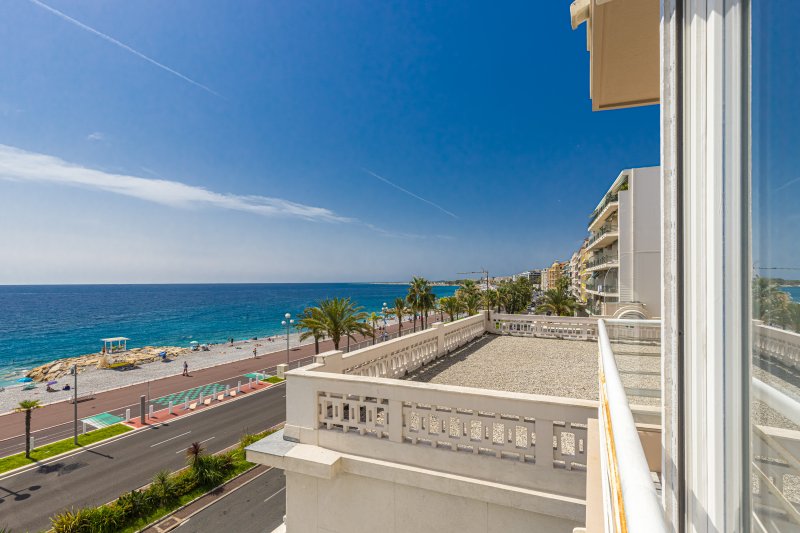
(356, 433)
(608, 206)
(604, 236)
(606, 290)
(602, 262)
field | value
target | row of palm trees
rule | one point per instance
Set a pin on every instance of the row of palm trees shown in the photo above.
(341, 319)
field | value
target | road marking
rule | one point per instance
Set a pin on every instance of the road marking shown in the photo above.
(269, 498)
(183, 450)
(171, 438)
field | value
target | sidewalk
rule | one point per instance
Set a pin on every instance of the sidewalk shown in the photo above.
(12, 424)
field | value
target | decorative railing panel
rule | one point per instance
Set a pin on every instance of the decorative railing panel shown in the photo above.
(778, 345)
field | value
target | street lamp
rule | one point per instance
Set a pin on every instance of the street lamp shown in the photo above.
(385, 312)
(287, 324)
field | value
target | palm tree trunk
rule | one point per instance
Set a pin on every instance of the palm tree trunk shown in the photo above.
(316, 345)
(28, 434)
(399, 326)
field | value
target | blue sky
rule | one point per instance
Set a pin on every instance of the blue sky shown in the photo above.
(194, 141)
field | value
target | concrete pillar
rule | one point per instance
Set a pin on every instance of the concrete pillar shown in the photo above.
(227, 390)
(170, 407)
(150, 410)
(282, 368)
(250, 383)
(141, 409)
(32, 445)
(239, 387)
(128, 414)
(201, 398)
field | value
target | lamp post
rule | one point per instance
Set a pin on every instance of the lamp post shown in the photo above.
(75, 404)
(287, 324)
(385, 311)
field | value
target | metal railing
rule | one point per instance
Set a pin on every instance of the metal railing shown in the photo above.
(607, 200)
(601, 231)
(602, 260)
(631, 503)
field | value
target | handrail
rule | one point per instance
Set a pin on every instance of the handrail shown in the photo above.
(633, 496)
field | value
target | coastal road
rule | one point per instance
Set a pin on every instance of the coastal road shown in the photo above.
(256, 507)
(53, 422)
(100, 473)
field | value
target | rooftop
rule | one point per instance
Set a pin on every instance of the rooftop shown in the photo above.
(549, 367)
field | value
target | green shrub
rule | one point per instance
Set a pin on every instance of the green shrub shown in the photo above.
(104, 519)
(134, 504)
(163, 488)
(70, 521)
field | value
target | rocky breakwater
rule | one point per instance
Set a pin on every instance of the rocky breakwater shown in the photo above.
(61, 367)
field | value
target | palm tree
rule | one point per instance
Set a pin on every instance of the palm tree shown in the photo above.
(427, 300)
(193, 453)
(452, 306)
(471, 301)
(400, 310)
(27, 407)
(309, 326)
(337, 318)
(373, 319)
(414, 297)
(493, 299)
(437, 308)
(558, 303)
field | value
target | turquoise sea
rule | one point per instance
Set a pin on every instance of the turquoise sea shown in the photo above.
(793, 292)
(46, 322)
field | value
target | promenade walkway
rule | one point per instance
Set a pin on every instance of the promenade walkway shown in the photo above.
(54, 421)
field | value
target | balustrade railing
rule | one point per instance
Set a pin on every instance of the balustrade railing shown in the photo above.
(606, 200)
(396, 357)
(777, 345)
(478, 433)
(574, 328)
(631, 504)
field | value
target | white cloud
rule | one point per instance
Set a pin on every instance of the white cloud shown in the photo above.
(96, 136)
(21, 165)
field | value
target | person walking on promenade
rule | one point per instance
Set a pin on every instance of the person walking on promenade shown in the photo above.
(254, 354)
(185, 368)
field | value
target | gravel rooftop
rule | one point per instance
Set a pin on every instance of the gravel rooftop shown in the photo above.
(550, 367)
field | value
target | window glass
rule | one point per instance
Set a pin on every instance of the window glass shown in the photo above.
(775, 164)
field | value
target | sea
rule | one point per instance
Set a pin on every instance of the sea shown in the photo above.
(793, 292)
(42, 323)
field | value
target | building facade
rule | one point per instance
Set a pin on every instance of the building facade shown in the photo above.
(624, 262)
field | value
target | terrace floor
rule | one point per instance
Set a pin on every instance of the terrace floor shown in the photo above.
(550, 367)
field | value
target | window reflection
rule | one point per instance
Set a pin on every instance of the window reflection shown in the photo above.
(775, 376)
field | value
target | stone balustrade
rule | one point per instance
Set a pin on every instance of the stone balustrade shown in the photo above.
(395, 358)
(777, 345)
(574, 328)
(530, 441)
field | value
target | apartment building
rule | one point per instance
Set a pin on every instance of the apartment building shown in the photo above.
(624, 262)
(717, 448)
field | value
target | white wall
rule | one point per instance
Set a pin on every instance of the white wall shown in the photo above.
(350, 503)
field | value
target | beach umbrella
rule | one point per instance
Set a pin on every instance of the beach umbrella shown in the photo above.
(24, 380)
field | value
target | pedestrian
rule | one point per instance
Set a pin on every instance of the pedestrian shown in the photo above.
(254, 353)
(185, 368)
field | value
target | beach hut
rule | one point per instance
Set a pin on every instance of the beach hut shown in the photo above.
(115, 344)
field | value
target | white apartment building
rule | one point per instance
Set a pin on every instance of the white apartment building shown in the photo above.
(624, 265)
(717, 447)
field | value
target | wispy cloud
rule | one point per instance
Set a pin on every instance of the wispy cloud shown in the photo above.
(96, 136)
(122, 45)
(21, 165)
(420, 198)
(787, 184)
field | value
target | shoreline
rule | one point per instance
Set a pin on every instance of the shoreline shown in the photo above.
(97, 380)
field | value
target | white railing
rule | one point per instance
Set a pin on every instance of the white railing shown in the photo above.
(631, 503)
(776, 460)
(574, 328)
(395, 358)
(779, 345)
(515, 439)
